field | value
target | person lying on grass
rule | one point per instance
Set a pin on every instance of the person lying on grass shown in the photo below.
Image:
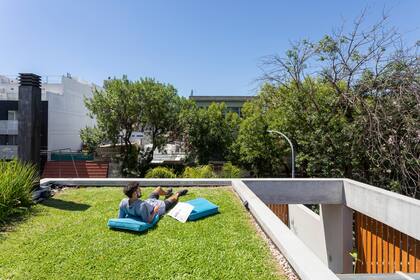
(147, 209)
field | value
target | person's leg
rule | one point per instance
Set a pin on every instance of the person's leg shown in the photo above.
(173, 200)
(159, 191)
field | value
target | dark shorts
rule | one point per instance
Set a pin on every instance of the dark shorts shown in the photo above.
(169, 204)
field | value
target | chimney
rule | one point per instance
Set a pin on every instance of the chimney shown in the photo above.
(29, 117)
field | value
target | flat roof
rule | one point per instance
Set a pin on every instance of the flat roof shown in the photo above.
(221, 98)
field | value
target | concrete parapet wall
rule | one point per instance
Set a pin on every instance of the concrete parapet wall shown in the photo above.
(395, 210)
(308, 226)
(297, 191)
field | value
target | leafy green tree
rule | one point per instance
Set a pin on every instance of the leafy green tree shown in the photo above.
(210, 132)
(161, 107)
(350, 103)
(257, 150)
(91, 137)
(125, 106)
(117, 110)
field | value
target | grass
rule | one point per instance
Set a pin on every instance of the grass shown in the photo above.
(68, 238)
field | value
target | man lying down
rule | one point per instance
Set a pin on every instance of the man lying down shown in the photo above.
(147, 209)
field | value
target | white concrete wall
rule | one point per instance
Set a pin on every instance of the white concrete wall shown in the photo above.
(308, 226)
(67, 113)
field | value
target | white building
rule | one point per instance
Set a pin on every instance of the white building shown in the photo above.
(66, 113)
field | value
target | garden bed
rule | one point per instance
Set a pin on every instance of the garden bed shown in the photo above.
(68, 238)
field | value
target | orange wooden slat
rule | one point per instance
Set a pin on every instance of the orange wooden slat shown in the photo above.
(397, 250)
(404, 252)
(412, 254)
(368, 246)
(379, 241)
(359, 242)
(364, 243)
(391, 264)
(417, 256)
(373, 228)
(385, 248)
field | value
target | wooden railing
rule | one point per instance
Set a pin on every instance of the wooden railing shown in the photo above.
(281, 211)
(383, 249)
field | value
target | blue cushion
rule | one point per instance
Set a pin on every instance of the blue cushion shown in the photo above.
(202, 208)
(132, 224)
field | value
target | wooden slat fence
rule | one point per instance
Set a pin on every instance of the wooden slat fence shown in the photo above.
(383, 249)
(281, 211)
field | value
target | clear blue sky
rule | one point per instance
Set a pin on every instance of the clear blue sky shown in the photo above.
(212, 46)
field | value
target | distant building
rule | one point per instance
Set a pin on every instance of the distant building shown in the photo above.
(233, 103)
(63, 113)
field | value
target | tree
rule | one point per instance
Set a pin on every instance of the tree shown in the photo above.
(125, 106)
(118, 110)
(372, 84)
(91, 137)
(161, 107)
(210, 132)
(257, 150)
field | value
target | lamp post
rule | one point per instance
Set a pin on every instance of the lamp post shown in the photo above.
(291, 146)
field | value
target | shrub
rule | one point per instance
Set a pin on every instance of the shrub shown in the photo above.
(160, 172)
(17, 180)
(230, 171)
(205, 171)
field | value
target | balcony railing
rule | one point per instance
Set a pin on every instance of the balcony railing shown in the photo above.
(9, 127)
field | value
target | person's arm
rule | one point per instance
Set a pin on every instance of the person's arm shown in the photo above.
(152, 216)
(121, 212)
(145, 214)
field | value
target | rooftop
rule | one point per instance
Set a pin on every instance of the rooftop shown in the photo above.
(68, 237)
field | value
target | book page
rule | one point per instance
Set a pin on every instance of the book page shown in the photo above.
(181, 211)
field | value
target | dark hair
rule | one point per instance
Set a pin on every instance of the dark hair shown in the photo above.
(130, 189)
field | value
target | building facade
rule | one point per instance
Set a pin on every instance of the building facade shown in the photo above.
(63, 114)
(233, 103)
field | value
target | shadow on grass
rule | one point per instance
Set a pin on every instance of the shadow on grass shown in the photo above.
(139, 233)
(12, 221)
(65, 205)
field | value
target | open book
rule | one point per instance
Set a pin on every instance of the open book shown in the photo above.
(181, 211)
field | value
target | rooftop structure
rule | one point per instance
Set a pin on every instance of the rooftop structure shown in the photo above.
(233, 103)
(62, 109)
(381, 225)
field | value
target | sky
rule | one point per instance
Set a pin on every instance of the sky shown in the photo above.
(213, 47)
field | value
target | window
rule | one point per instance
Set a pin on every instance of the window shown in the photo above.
(12, 115)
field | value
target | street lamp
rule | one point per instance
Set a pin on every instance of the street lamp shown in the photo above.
(291, 146)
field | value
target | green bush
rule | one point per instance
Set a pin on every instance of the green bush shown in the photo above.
(205, 171)
(230, 171)
(16, 183)
(160, 172)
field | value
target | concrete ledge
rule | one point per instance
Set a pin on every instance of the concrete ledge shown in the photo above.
(306, 264)
(143, 182)
(395, 210)
(297, 191)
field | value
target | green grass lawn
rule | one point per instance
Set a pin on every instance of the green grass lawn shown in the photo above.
(67, 238)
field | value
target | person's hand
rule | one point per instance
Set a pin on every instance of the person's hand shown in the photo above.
(156, 209)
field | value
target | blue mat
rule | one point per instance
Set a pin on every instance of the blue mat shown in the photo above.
(131, 224)
(202, 208)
